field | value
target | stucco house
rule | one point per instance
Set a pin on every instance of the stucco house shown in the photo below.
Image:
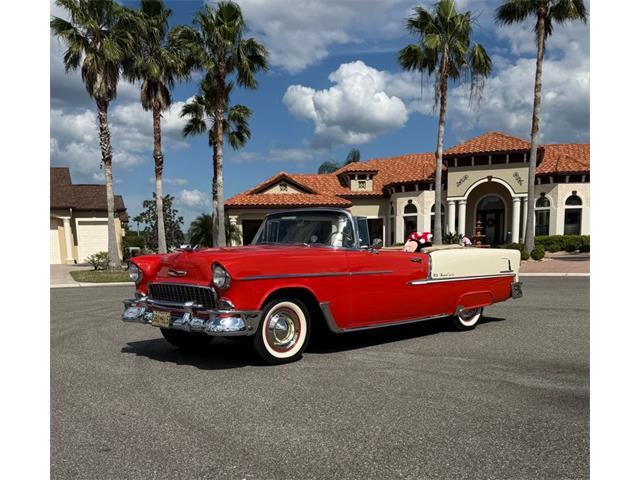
(78, 218)
(485, 179)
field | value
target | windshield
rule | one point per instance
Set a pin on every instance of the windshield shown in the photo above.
(331, 229)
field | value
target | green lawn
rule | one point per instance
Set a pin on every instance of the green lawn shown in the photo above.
(101, 276)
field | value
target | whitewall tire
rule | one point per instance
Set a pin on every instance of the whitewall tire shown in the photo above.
(283, 333)
(467, 319)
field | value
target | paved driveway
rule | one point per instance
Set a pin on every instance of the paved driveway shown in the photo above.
(508, 400)
(60, 273)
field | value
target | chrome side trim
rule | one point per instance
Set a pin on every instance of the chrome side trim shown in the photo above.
(331, 323)
(455, 279)
(328, 316)
(315, 275)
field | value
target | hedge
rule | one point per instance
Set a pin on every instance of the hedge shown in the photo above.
(569, 243)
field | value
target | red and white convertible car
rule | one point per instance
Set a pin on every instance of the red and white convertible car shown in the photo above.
(307, 266)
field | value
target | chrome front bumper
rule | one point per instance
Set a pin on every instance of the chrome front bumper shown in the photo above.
(190, 317)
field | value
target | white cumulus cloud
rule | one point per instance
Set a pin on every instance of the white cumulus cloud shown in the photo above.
(355, 110)
(193, 199)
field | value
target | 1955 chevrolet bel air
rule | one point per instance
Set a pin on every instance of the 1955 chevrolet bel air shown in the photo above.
(308, 266)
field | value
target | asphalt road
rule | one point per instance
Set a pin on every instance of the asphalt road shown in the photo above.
(508, 400)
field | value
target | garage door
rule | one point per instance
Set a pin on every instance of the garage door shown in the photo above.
(54, 241)
(92, 238)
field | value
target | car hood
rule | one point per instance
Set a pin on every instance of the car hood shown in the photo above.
(195, 266)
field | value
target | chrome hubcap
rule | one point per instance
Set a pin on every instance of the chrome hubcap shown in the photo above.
(283, 330)
(467, 315)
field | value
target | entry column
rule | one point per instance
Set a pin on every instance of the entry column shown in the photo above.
(462, 216)
(68, 239)
(515, 220)
(451, 220)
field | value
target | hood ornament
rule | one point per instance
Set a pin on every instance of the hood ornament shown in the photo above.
(177, 273)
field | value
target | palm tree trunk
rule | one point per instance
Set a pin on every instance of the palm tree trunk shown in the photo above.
(105, 148)
(443, 77)
(214, 193)
(529, 237)
(159, 164)
(219, 192)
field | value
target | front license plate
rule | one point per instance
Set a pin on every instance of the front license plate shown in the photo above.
(161, 319)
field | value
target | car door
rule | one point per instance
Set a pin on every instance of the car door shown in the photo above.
(380, 285)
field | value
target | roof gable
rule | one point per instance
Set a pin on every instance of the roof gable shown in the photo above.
(487, 143)
(281, 177)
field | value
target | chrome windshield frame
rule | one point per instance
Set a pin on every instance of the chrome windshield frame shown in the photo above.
(341, 211)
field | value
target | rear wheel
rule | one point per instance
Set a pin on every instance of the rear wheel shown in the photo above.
(283, 333)
(185, 340)
(467, 319)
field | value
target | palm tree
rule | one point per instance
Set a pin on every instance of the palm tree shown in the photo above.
(546, 13)
(217, 45)
(158, 66)
(202, 115)
(201, 231)
(328, 166)
(445, 51)
(98, 38)
(353, 156)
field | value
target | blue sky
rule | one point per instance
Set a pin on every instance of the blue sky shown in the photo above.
(334, 84)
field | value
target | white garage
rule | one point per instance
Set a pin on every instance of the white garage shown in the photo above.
(92, 237)
(54, 242)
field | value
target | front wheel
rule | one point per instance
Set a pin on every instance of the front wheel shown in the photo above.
(467, 319)
(283, 333)
(185, 340)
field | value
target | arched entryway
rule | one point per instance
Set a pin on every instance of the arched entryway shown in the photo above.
(491, 212)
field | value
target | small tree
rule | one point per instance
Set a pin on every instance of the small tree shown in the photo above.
(172, 223)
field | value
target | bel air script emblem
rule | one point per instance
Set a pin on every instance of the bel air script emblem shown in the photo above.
(177, 273)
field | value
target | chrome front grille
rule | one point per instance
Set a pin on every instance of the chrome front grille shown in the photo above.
(180, 293)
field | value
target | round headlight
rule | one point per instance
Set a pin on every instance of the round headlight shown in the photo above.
(134, 272)
(221, 278)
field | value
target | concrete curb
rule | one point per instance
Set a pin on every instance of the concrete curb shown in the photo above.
(542, 274)
(90, 284)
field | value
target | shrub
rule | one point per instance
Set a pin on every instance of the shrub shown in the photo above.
(451, 238)
(571, 245)
(555, 243)
(514, 246)
(538, 252)
(99, 261)
(524, 256)
(585, 247)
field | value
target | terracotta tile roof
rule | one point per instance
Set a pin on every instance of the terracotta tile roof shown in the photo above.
(488, 142)
(414, 167)
(327, 190)
(248, 200)
(565, 158)
(63, 194)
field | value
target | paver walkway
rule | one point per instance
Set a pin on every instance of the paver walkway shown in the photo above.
(60, 273)
(559, 262)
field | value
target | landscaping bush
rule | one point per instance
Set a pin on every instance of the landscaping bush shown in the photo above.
(451, 238)
(524, 255)
(555, 243)
(514, 246)
(538, 252)
(571, 245)
(99, 261)
(585, 247)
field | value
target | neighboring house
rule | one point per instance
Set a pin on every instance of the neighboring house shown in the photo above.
(485, 179)
(78, 218)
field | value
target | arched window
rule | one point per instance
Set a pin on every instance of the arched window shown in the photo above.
(433, 218)
(543, 214)
(573, 215)
(410, 209)
(410, 219)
